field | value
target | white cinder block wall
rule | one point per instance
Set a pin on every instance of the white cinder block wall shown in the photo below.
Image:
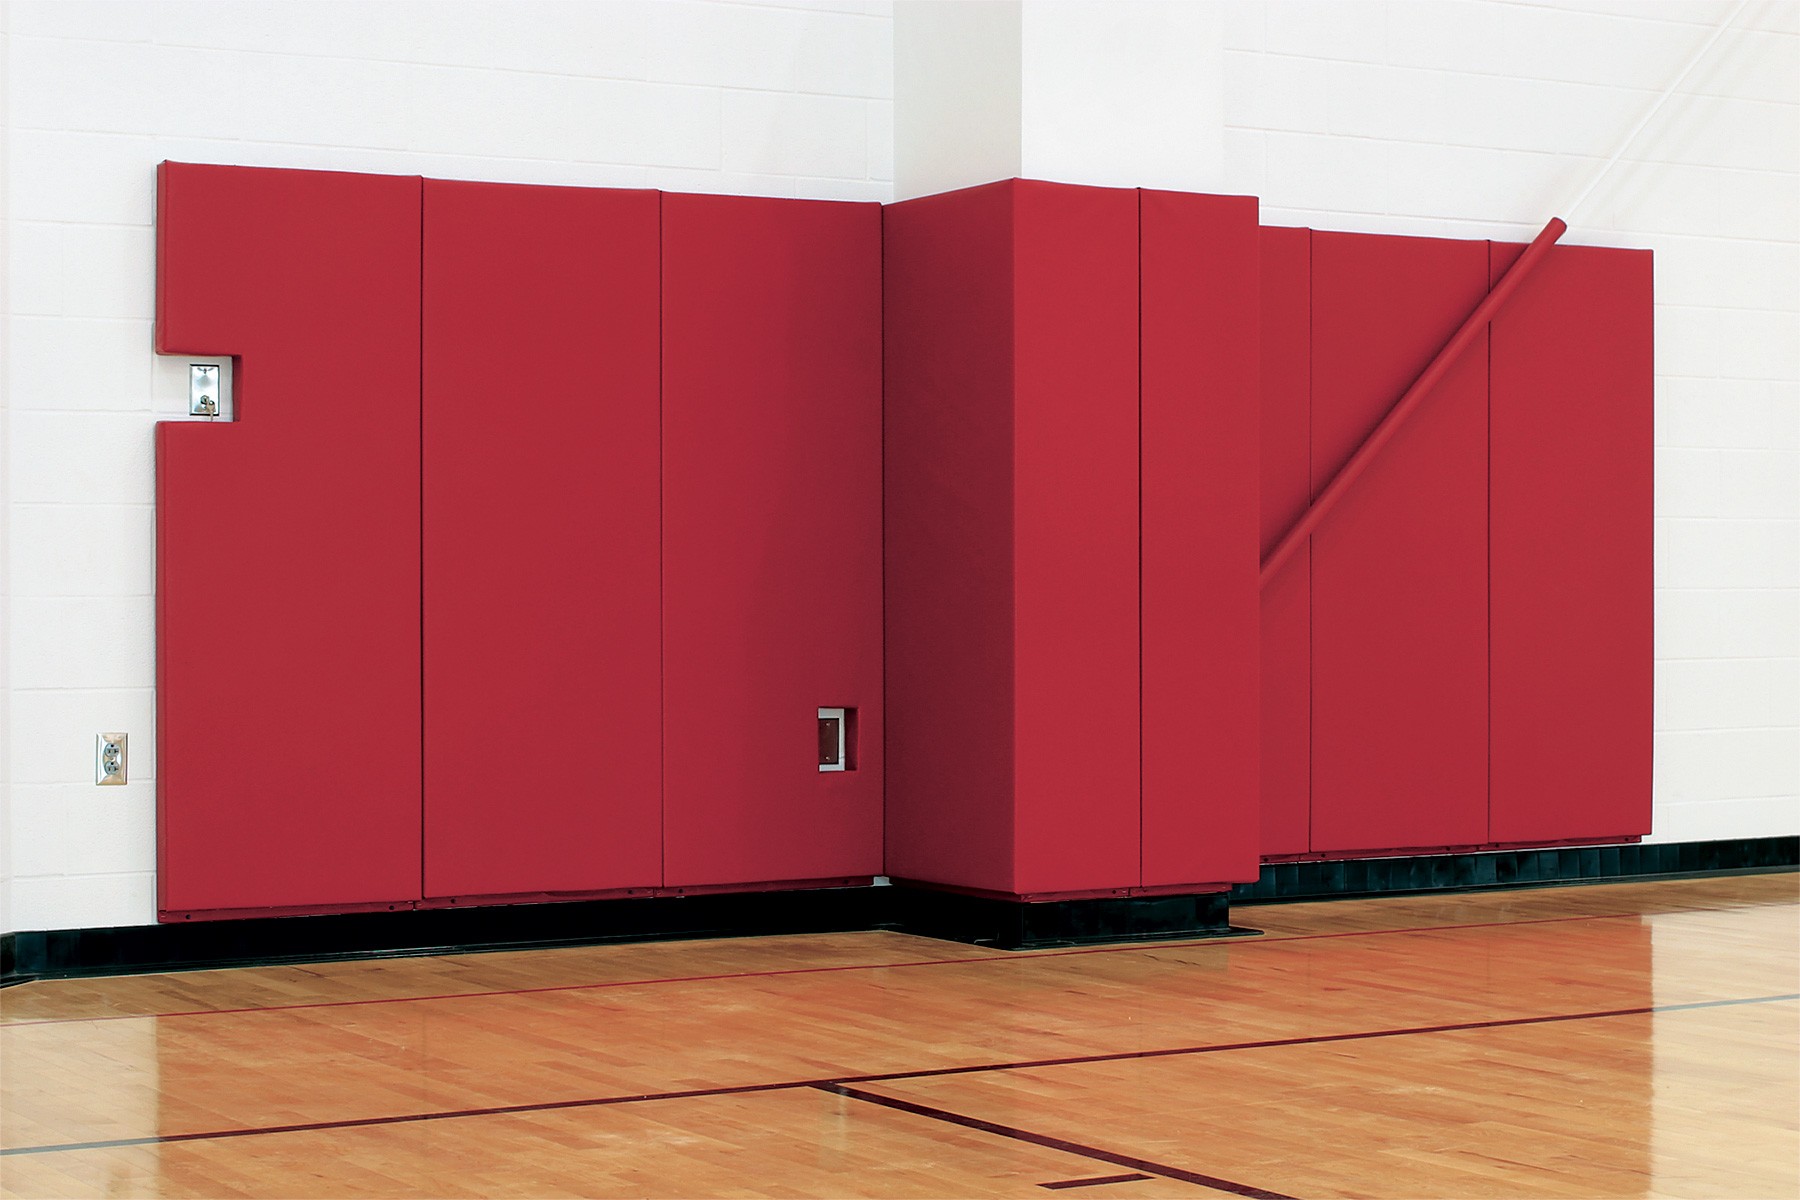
(1466, 117)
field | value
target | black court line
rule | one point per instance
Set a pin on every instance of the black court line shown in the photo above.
(502, 1110)
(1096, 1181)
(1056, 1143)
(1309, 1040)
(1016, 956)
(1011, 956)
(885, 1077)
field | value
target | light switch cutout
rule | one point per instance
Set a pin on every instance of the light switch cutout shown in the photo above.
(837, 741)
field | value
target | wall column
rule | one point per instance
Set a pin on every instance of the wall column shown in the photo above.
(1116, 95)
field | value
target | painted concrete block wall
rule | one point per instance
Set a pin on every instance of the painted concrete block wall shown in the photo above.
(1120, 95)
(1483, 118)
(1070, 91)
(957, 78)
(788, 98)
(1467, 117)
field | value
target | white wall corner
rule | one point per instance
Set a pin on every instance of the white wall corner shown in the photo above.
(6, 851)
(1124, 95)
(956, 94)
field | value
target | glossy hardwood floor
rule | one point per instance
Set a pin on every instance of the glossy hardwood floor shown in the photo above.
(1610, 1040)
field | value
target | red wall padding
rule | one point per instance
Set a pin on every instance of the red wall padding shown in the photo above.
(948, 288)
(1071, 538)
(654, 524)
(543, 676)
(1286, 470)
(1400, 708)
(288, 543)
(1075, 537)
(1201, 265)
(1012, 528)
(771, 494)
(1571, 548)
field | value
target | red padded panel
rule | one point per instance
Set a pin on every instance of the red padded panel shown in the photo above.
(1400, 569)
(1286, 487)
(543, 674)
(1075, 537)
(947, 279)
(288, 542)
(1571, 548)
(1200, 264)
(772, 536)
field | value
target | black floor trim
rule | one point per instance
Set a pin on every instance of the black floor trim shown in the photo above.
(887, 1077)
(1056, 1143)
(1010, 925)
(261, 941)
(1313, 880)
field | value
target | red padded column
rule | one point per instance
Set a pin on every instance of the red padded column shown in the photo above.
(1400, 570)
(1286, 488)
(947, 279)
(1012, 537)
(772, 536)
(1075, 537)
(543, 764)
(1200, 264)
(288, 543)
(1572, 478)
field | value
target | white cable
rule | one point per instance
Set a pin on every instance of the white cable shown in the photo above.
(1655, 108)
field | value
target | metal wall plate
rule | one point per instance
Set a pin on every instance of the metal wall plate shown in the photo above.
(204, 397)
(833, 740)
(110, 758)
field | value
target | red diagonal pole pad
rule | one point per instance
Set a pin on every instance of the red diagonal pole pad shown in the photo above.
(1410, 399)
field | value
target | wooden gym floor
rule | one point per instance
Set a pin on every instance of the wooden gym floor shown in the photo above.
(1608, 1040)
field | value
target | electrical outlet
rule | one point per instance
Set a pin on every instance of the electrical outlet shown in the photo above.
(110, 750)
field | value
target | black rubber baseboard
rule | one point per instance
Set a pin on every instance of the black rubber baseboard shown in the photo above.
(1514, 868)
(259, 941)
(256, 941)
(1012, 925)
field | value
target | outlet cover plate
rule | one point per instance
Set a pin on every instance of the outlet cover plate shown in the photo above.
(111, 752)
(833, 740)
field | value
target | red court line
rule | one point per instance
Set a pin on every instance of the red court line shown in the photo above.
(1055, 1143)
(1059, 1185)
(1011, 956)
(885, 1077)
